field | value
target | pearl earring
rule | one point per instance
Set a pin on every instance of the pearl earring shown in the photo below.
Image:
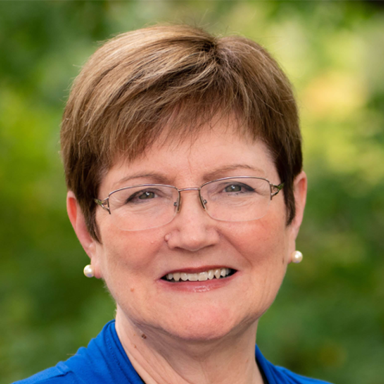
(297, 257)
(88, 271)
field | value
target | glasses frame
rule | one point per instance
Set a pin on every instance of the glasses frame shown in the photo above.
(274, 190)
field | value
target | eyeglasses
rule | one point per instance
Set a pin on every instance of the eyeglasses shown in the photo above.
(233, 199)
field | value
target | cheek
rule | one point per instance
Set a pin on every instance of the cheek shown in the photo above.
(261, 242)
(127, 255)
(122, 263)
(121, 253)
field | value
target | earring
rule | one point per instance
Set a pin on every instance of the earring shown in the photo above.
(297, 257)
(88, 271)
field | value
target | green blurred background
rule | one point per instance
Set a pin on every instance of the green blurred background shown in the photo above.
(328, 320)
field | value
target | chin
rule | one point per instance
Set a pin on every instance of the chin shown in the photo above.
(203, 326)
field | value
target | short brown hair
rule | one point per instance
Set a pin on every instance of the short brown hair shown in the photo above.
(178, 77)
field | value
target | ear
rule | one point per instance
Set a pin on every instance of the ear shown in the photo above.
(77, 220)
(300, 193)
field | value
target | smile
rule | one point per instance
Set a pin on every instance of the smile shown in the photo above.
(218, 273)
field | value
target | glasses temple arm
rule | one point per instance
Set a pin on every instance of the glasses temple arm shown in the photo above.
(277, 189)
(103, 204)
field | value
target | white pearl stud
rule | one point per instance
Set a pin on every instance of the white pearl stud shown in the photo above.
(297, 257)
(88, 271)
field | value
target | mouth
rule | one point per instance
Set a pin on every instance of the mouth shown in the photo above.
(211, 274)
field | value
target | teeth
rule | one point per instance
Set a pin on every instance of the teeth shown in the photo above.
(184, 276)
(192, 276)
(202, 276)
(176, 276)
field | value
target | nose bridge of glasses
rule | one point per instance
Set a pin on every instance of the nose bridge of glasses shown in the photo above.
(190, 189)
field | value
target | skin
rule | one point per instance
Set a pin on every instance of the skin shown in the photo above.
(205, 335)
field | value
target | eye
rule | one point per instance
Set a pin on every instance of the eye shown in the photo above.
(146, 195)
(233, 188)
(238, 188)
(141, 195)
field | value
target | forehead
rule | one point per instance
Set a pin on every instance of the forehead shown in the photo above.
(182, 125)
(215, 152)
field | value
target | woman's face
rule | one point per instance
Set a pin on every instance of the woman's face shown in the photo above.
(133, 264)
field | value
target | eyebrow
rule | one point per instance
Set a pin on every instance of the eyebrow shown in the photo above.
(223, 171)
(158, 178)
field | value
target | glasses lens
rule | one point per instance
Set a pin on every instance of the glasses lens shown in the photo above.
(237, 199)
(143, 206)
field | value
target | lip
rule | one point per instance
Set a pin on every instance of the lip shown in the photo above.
(197, 286)
(197, 270)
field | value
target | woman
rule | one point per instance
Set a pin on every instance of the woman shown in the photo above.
(182, 155)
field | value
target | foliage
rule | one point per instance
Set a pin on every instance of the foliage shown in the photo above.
(328, 320)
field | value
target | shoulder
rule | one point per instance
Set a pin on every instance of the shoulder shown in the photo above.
(293, 378)
(103, 361)
(60, 374)
(279, 375)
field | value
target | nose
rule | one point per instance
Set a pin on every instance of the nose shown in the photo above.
(192, 229)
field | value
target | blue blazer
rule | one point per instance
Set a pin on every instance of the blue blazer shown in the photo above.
(104, 361)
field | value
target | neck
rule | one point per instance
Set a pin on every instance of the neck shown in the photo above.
(160, 358)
